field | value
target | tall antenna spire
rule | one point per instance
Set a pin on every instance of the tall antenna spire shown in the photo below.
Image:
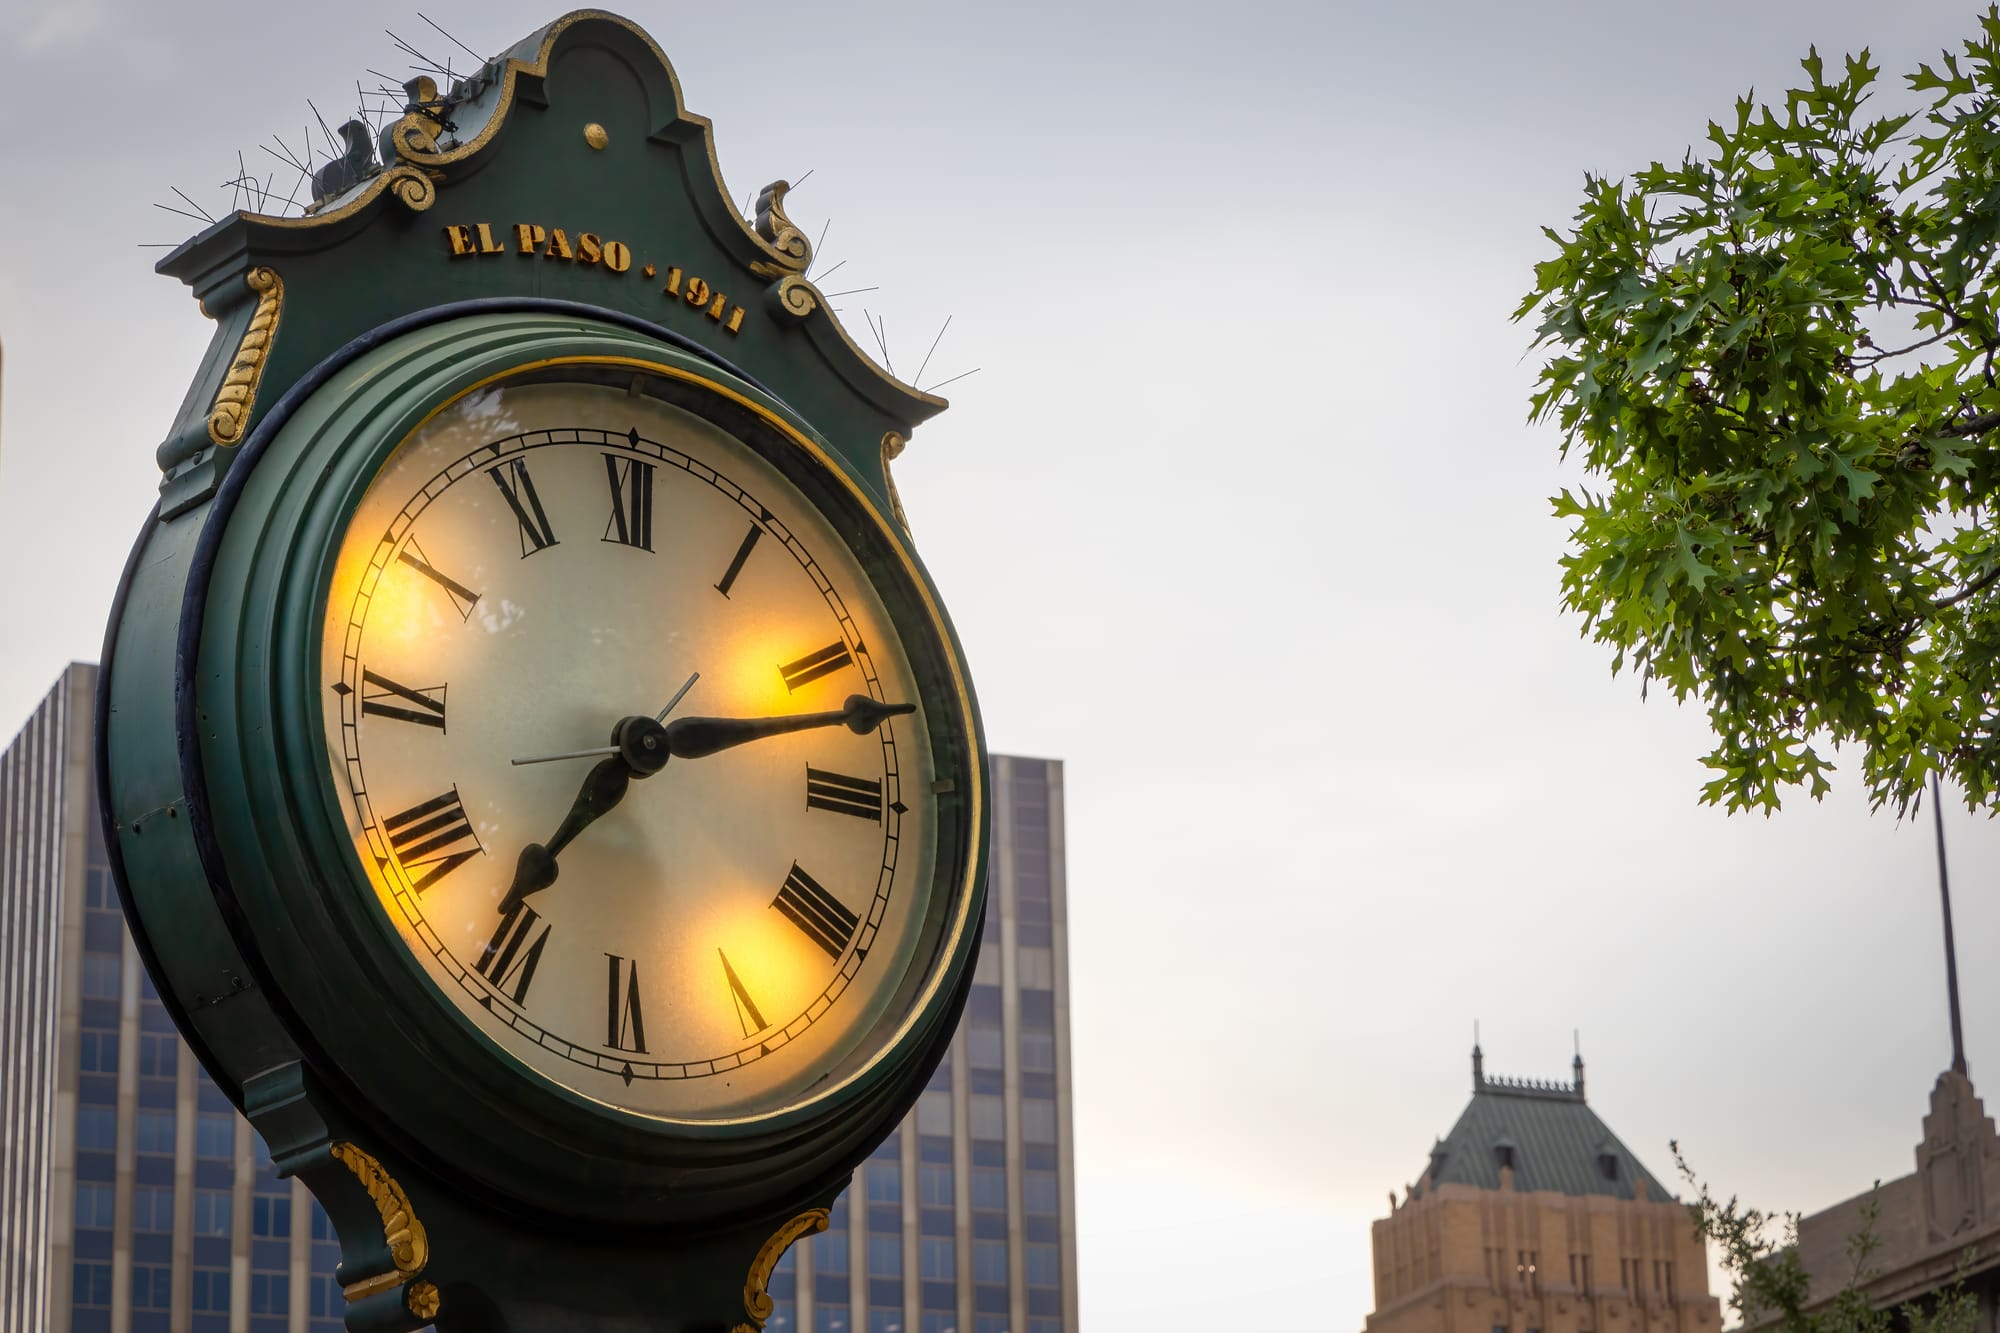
(1950, 949)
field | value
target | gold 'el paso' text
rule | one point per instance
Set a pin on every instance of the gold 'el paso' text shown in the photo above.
(527, 240)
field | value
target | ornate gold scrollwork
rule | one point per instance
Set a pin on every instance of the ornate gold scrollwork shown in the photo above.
(757, 1302)
(797, 297)
(893, 445)
(409, 1247)
(413, 140)
(778, 231)
(239, 387)
(414, 135)
(423, 1300)
(413, 187)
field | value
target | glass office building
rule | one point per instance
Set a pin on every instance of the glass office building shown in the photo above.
(965, 1220)
(133, 1198)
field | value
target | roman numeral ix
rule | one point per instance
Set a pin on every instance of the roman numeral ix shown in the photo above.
(631, 522)
(424, 707)
(518, 488)
(428, 839)
(823, 917)
(842, 794)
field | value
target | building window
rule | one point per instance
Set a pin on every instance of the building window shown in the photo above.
(96, 1128)
(271, 1215)
(989, 1261)
(323, 1292)
(989, 1189)
(829, 1318)
(1034, 968)
(989, 1323)
(100, 976)
(1038, 1120)
(152, 1287)
(1044, 1265)
(261, 1151)
(322, 1226)
(211, 1290)
(885, 1321)
(91, 1285)
(989, 1117)
(1039, 1193)
(97, 1052)
(215, 1135)
(211, 1212)
(152, 1208)
(98, 894)
(1038, 1052)
(937, 1321)
(934, 1113)
(934, 1186)
(94, 1205)
(830, 1252)
(885, 1256)
(270, 1293)
(937, 1258)
(983, 1048)
(155, 1132)
(885, 1182)
(1045, 1326)
(158, 1055)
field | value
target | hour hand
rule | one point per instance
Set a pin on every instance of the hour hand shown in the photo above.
(695, 737)
(603, 788)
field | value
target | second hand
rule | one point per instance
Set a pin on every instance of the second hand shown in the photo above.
(660, 716)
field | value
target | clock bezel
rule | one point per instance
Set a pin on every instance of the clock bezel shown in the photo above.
(590, 1158)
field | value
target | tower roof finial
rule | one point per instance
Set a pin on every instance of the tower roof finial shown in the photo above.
(1478, 1060)
(1950, 950)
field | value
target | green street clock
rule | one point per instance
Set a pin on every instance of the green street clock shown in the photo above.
(542, 780)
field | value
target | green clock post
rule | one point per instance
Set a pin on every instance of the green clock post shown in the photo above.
(542, 780)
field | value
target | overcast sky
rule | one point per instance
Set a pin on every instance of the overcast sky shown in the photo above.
(1239, 517)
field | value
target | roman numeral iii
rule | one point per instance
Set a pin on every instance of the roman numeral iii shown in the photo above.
(624, 1024)
(631, 522)
(393, 699)
(514, 952)
(842, 794)
(430, 839)
(518, 489)
(823, 917)
(814, 665)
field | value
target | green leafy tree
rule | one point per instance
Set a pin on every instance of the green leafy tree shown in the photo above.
(1768, 1285)
(1776, 362)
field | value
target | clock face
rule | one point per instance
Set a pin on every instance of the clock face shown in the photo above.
(535, 564)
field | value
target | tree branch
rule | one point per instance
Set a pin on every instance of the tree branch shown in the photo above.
(1982, 582)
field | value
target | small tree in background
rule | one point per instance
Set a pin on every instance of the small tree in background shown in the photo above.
(1776, 362)
(1768, 1285)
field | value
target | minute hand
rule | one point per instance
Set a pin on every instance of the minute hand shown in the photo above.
(694, 737)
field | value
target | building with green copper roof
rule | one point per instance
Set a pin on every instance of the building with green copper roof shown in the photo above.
(1532, 1216)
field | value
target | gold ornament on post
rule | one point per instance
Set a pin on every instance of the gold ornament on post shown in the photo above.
(239, 387)
(757, 1302)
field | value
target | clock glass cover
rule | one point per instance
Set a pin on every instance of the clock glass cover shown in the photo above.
(530, 580)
